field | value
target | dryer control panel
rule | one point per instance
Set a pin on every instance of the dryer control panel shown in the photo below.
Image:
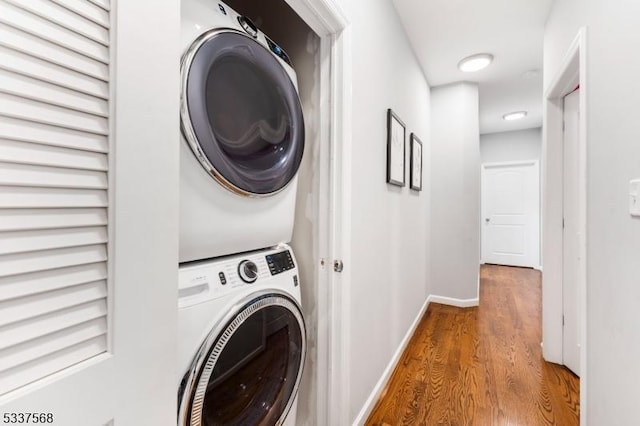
(278, 50)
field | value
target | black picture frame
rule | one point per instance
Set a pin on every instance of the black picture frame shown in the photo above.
(396, 149)
(415, 163)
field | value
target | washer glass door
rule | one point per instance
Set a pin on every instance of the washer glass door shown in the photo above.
(241, 114)
(252, 369)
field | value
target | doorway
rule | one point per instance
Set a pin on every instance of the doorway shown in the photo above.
(511, 214)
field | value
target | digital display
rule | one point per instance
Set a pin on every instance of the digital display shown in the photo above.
(279, 262)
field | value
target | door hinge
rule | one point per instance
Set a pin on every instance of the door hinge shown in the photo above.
(563, 223)
(563, 320)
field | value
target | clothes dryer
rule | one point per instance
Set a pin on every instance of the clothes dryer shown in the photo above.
(242, 135)
(242, 340)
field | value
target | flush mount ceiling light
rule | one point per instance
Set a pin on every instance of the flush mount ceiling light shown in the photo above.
(475, 63)
(515, 115)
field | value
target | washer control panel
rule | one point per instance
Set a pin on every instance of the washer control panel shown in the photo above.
(280, 262)
(214, 278)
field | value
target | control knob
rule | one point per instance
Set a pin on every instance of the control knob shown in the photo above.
(248, 25)
(248, 271)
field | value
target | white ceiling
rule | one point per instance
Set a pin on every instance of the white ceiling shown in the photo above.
(442, 32)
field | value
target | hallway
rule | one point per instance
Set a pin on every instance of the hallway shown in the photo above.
(481, 366)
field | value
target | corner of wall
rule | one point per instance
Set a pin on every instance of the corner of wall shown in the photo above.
(455, 225)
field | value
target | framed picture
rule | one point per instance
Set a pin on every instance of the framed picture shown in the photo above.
(415, 166)
(395, 149)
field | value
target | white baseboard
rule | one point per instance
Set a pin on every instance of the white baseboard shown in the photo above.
(370, 403)
(460, 303)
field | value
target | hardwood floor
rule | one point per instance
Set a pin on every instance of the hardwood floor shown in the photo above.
(481, 366)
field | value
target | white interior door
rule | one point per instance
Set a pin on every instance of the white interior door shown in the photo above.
(511, 214)
(573, 235)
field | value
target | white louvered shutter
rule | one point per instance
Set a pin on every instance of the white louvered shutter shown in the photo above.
(54, 140)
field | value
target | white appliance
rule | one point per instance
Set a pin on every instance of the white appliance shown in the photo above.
(242, 340)
(242, 135)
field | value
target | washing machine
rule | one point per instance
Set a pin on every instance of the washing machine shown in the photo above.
(242, 340)
(242, 136)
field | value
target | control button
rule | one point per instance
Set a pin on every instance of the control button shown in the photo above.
(278, 51)
(223, 279)
(248, 26)
(248, 271)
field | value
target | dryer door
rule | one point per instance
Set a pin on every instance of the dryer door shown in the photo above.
(241, 114)
(249, 371)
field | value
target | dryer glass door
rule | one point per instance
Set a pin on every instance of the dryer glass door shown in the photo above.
(253, 367)
(241, 114)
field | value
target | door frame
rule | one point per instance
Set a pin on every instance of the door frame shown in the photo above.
(329, 21)
(483, 168)
(572, 72)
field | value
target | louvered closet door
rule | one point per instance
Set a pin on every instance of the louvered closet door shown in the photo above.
(54, 142)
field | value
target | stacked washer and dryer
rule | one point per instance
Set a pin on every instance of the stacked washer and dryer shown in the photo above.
(242, 338)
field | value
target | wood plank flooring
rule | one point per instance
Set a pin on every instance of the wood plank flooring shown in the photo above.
(481, 366)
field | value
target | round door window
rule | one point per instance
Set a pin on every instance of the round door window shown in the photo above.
(241, 113)
(250, 372)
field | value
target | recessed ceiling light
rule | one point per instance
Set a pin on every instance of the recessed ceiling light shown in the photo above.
(515, 115)
(475, 63)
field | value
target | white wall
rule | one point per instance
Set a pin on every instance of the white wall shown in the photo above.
(389, 224)
(520, 145)
(455, 191)
(613, 158)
